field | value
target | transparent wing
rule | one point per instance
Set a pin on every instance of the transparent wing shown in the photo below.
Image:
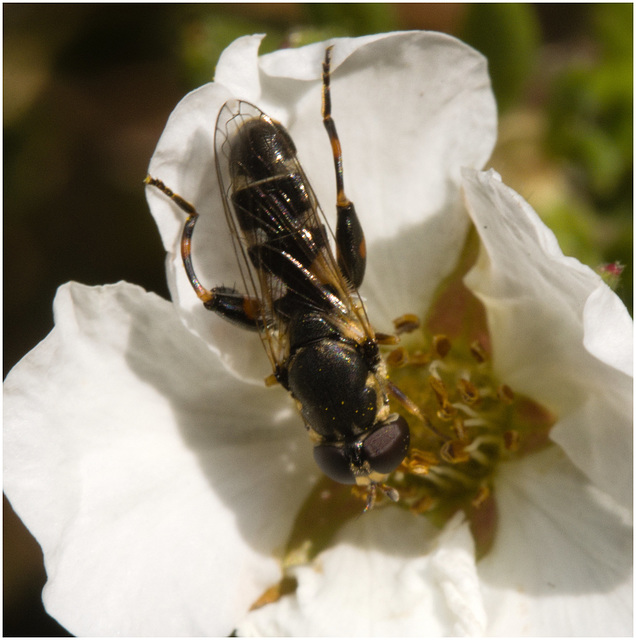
(281, 236)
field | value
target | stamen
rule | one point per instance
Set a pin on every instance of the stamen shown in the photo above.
(484, 439)
(478, 352)
(482, 495)
(398, 357)
(441, 345)
(476, 422)
(407, 323)
(436, 366)
(419, 358)
(470, 421)
(454, 452)
(458, 428)
(440, 390)
(443, 473)
(466, 409)
(419, 462)
(505, 394)
(468, 391)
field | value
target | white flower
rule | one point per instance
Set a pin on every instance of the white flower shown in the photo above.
(163, 480)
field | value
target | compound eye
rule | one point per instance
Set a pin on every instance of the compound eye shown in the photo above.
(386, 447)
(333, 463)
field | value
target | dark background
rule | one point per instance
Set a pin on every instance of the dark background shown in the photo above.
(88, 89)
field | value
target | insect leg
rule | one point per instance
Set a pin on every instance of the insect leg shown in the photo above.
(350, 245)
(226, 301)
(405, 401)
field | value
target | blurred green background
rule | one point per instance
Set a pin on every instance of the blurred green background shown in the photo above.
(88, 89)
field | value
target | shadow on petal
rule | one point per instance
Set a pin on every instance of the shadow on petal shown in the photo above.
(249, 441)
(557, 534)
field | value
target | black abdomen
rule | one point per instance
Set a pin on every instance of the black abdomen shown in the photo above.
(276, 211)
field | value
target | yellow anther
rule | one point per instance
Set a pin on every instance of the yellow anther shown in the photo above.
(407, 323)
(482, 495)
(441, 345)
(440, 390)
(458, 427)
(478, 352)
(506, 394)
(419, 462)
(468, 391)
(454, 451)
(398, 357)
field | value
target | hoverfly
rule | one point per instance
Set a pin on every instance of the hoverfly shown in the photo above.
(302, 300)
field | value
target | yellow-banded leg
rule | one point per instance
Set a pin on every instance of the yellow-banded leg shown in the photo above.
(350, 245)
(226, 301)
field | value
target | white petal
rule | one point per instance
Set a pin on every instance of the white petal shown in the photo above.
(184, 161)
(549, 334)
(561, 564)
(607, 329)
(237, 69)
(157, 487)
(411, 109)
(390, 574)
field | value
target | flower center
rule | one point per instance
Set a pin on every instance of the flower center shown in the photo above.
(467, 422)
(470, 421)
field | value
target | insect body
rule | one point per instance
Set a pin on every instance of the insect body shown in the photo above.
(300, 298)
